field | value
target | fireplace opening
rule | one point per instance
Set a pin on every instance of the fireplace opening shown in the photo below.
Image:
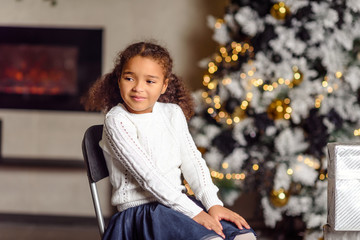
(47, 68)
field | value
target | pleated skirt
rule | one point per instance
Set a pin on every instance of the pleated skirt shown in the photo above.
(154, 221)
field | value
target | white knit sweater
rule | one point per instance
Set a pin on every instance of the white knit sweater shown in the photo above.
(146, 154)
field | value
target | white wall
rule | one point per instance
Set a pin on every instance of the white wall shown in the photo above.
(179, 25)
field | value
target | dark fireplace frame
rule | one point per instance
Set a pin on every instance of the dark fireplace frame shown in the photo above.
(88, 42)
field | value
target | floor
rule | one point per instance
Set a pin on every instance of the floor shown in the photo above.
(12, 231)
(31, 227)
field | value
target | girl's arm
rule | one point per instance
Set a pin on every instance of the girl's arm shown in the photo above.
(197, 175)
(193, 166)
(120, 141)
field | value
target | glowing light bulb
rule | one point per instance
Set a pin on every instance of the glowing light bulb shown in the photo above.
(204, 94)
(338, 74)
(225, 165)
(221, 114)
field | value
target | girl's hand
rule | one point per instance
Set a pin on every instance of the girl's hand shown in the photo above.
(209, 222)
(221, 213)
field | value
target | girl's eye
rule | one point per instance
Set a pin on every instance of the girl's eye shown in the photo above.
(128, 78)
(150, 81)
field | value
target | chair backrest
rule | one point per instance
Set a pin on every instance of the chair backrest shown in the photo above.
(96, 168)
(93, 154)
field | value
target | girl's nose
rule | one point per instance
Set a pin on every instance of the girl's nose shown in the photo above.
(138, 87)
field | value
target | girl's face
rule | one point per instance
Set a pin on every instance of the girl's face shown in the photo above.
(141, 84)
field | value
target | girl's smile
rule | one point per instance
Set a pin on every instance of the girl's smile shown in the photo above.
(138, 98)
(141, 84)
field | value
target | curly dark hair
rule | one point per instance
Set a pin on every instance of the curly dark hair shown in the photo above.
(104, 93)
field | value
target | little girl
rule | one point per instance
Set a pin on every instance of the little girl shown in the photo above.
(147, 146)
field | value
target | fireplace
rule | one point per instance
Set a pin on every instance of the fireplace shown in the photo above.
(47, 68)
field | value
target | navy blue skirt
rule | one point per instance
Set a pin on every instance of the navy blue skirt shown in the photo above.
(156, 221)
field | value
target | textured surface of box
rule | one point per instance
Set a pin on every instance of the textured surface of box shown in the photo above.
(330, 234)
(344, 186)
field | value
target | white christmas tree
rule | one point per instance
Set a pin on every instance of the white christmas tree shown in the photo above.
(284, 83)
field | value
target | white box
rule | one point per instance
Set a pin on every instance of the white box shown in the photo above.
(330, 234)
(344, 186)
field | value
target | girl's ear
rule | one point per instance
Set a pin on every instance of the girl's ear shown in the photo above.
(165, 85)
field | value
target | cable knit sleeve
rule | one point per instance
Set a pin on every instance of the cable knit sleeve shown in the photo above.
(121, 143)
(193, 166)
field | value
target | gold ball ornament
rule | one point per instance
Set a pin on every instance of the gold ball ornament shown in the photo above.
(279, 109)
(280, 11)
(239, 113)
(279, 198)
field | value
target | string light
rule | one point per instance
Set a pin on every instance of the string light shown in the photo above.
(219, 23)
(222, 114)
(357, 132)
(318, 101)
(226, 81)
(322, 176)
(223, 50)
(206, 80)
(338, 74)
(311, 162)
(228, 176)
(212, 85)
(216, 99)
(225, 165)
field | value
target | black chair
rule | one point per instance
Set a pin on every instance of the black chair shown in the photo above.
(95, 166)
